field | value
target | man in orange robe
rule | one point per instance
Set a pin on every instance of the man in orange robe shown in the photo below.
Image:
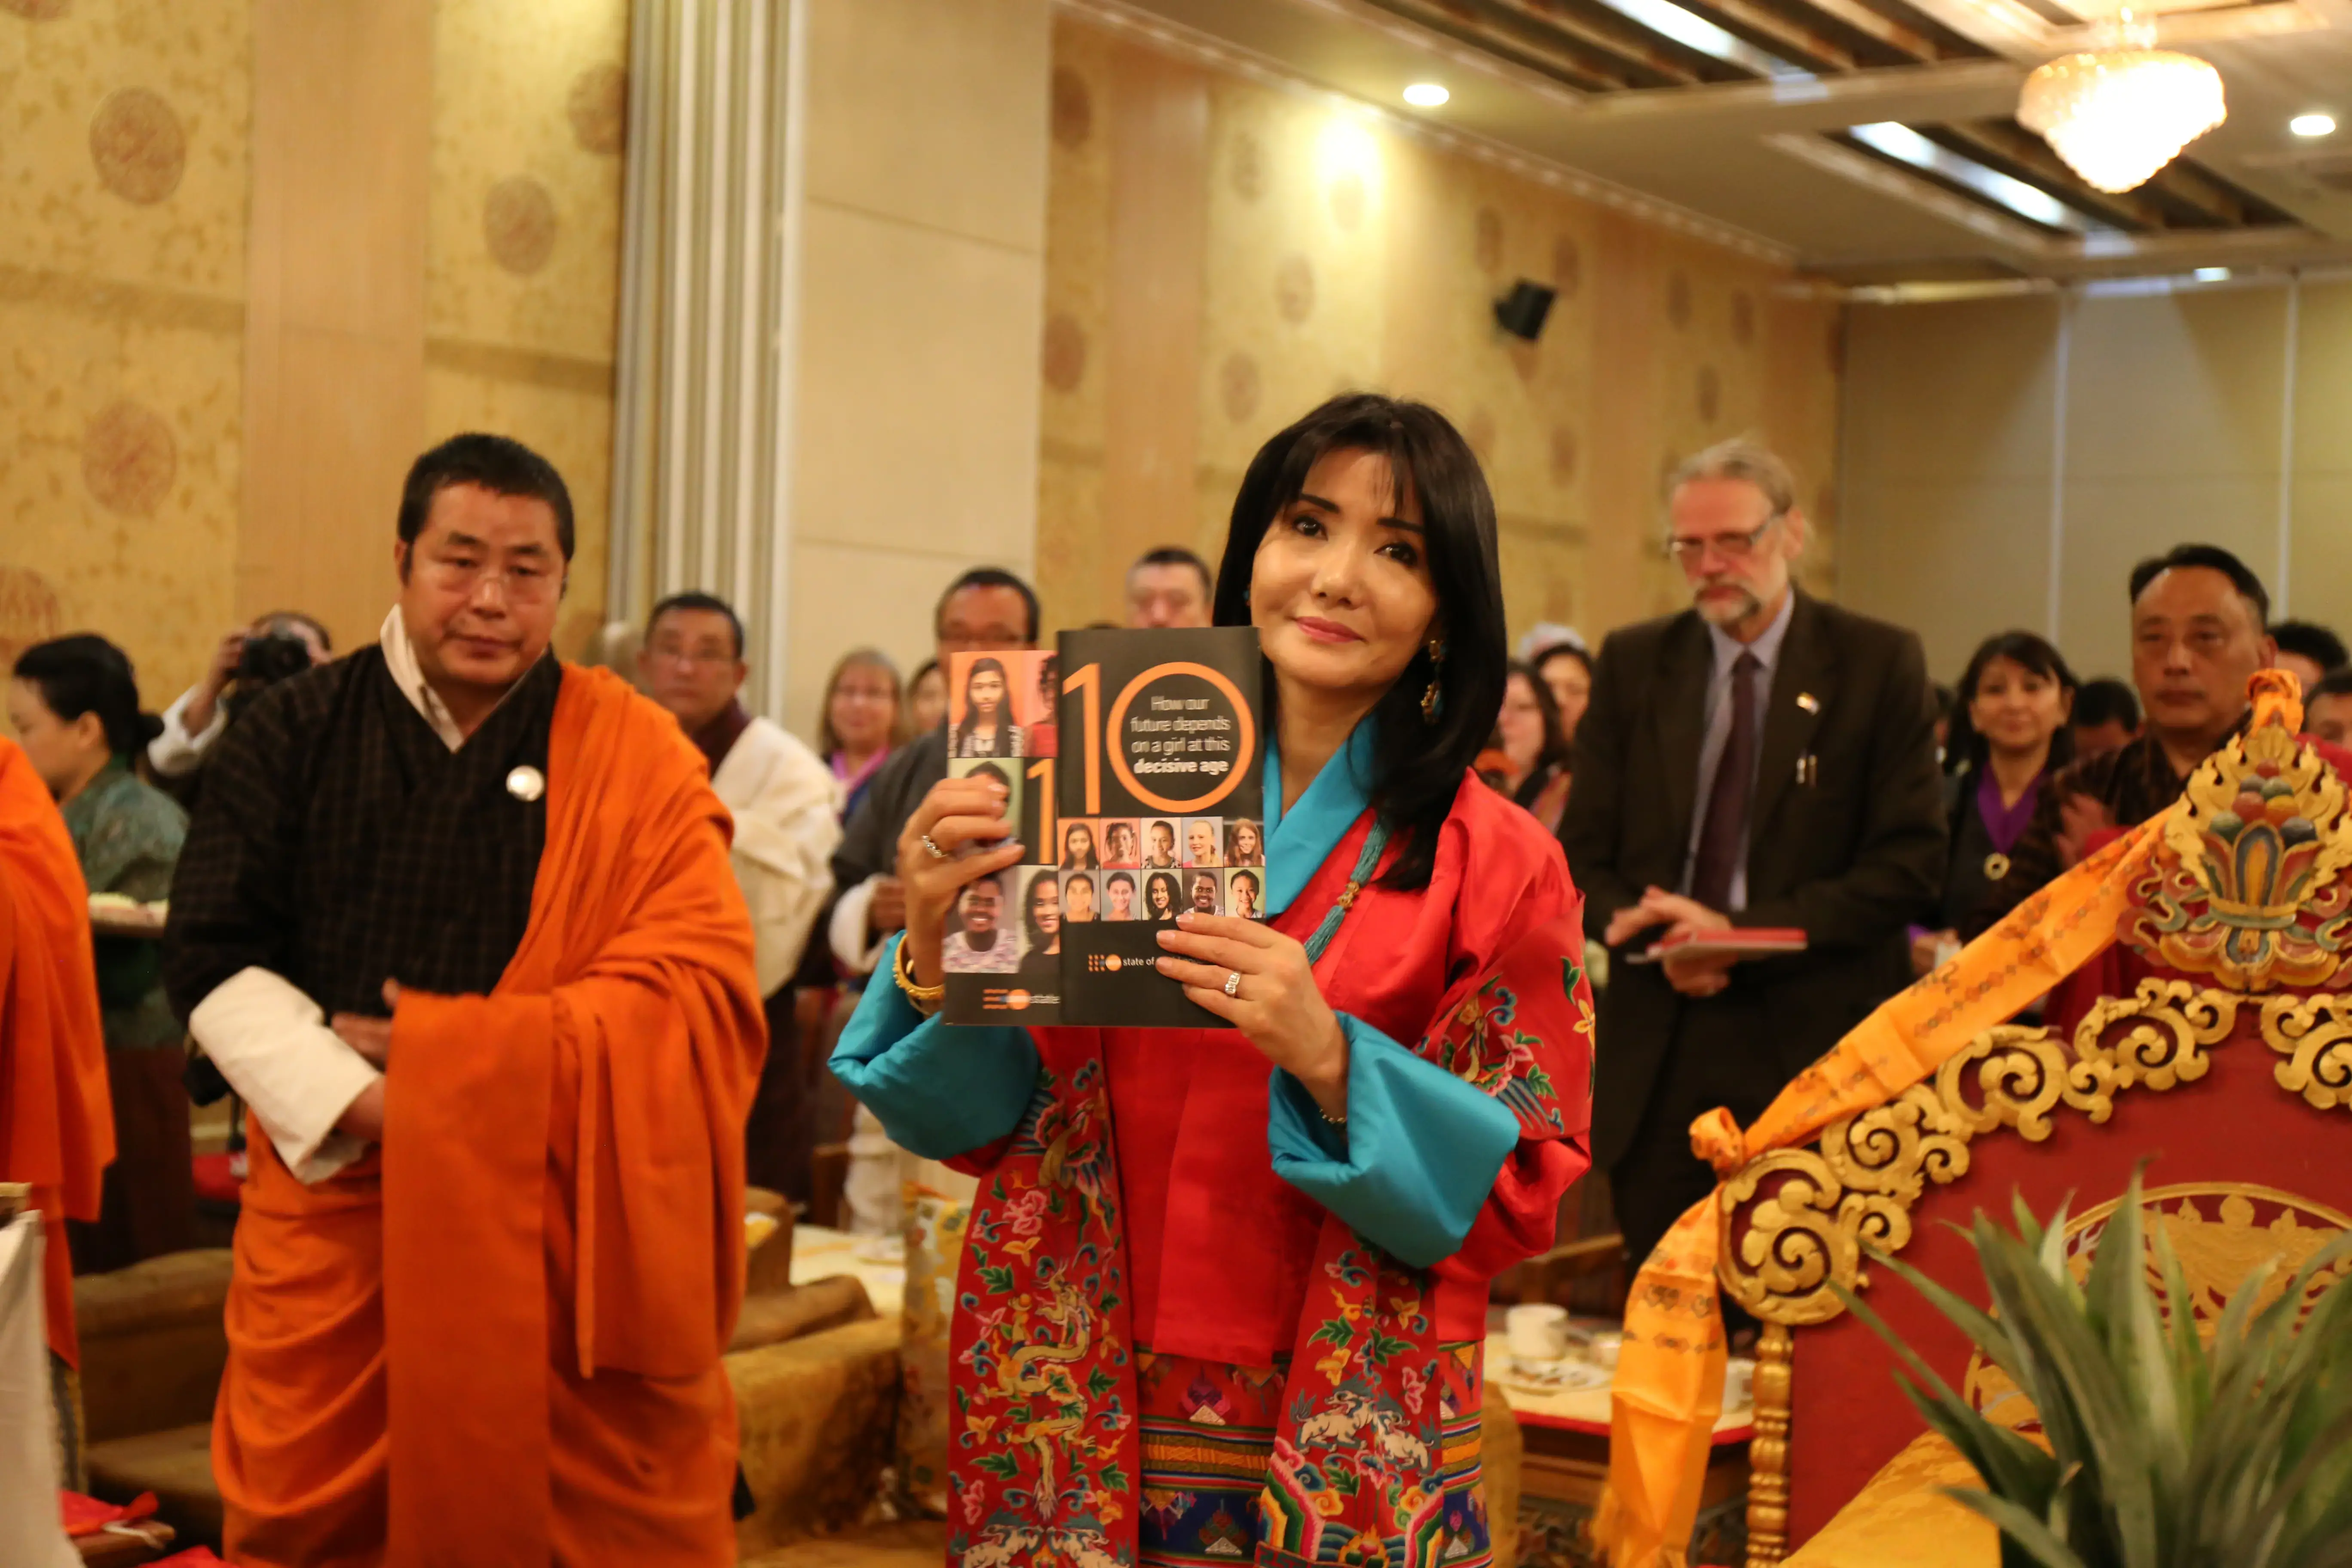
(56, 1127)
(459, 922)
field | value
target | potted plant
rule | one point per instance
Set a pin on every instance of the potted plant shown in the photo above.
(2164, 1449)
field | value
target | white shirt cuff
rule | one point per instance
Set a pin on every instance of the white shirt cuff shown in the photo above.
(296, 1076)
(857, 948)
(174, 753)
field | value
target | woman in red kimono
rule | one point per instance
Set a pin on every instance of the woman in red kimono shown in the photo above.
(1223, 1292)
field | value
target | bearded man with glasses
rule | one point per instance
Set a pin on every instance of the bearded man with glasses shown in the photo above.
(1764, 760)
(456, 920)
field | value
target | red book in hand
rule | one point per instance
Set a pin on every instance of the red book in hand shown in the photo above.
(1743, 941)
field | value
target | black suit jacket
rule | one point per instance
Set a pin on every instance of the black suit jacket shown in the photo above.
(1852, 857)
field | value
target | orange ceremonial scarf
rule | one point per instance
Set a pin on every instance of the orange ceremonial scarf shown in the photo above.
(1669, 1384)
(57, 1121)
(561, 1216)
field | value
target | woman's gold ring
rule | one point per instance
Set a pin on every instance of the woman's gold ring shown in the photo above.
(935, 852)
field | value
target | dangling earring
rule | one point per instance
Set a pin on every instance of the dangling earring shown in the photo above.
(1432, 698)
(1245, 596)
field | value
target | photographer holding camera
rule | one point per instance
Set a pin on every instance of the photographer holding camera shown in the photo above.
(278, 645)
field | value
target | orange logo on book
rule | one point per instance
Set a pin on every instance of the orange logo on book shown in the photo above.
(1016, 1000)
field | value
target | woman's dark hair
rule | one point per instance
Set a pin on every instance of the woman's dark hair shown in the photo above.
(1093, 861)
(1158, 882)
(1037, 933)
(991, 771)
(1963, 746)
(1417, 768)
(1117, 877)
(1553, 754)
(85, 673)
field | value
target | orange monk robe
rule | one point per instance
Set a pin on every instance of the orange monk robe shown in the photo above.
(498, 1340)
(56, 1123)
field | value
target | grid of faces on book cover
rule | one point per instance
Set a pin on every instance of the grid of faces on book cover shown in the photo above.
(1157, 868)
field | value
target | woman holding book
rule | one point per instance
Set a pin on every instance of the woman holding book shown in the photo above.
(1296, 1215)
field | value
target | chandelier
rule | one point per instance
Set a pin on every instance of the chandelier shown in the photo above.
(2119, 112)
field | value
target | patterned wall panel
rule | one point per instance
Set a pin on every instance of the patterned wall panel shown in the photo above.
(122, 224)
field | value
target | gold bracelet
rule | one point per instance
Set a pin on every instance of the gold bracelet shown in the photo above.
(926, 999)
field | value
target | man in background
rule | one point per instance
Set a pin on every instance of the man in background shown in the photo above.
(781, 797)
(2327, 708)
(2105, 718)
(276, 646)
(1762, 759)
(2308, 651)
(1170, 586)
(2198, 619)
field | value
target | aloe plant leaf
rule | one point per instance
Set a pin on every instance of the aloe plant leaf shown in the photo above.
(2035, 1538)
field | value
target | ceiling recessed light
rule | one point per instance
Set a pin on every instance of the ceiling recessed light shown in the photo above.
(2313, 125)
(2211, 274)
(1429, 95)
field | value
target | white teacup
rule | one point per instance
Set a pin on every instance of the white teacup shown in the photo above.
(1538, 1332)
(1604, 1349)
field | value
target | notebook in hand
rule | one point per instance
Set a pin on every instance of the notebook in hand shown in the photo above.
(1743, 942)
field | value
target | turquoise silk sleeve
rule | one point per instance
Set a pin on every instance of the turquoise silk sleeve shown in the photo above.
(1418, 1157)
(939, 1090)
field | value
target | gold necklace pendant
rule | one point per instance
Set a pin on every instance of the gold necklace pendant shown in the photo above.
(1996, 866)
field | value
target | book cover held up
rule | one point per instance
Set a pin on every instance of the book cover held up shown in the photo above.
(1134, 763)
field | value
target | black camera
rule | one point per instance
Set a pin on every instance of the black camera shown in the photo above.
(272, 657)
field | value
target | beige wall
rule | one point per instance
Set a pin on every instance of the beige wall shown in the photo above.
(254, 255)
(921, 268)
(1221, 255)
(2007, 460)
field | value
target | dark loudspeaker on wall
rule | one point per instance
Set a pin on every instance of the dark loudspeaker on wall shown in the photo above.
(1521, 312)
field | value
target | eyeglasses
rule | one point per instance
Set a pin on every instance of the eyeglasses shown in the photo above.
(517, 584)
(1731, 546)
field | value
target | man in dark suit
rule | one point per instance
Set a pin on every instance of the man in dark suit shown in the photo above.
(1760, 759)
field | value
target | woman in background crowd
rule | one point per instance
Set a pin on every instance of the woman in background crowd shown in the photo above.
(1566, 671)
(859, 724)
(927, 698)
(1535, 753)
(2009, 734)
(75, 705)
